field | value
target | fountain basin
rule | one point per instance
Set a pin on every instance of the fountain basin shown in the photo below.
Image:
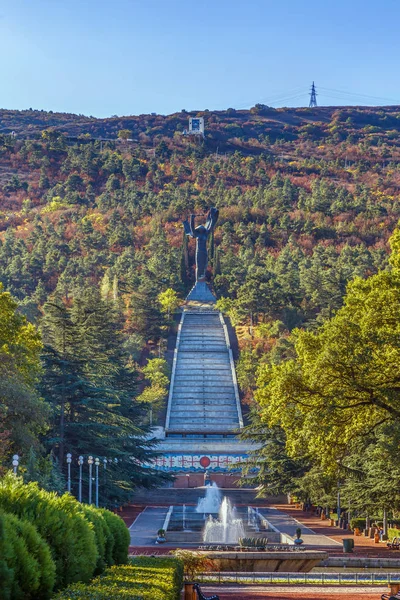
(266, 562)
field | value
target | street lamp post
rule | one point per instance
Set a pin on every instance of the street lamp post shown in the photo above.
(69, 460)
(97, 462)
(90, 462)
(105, 474)
(15, 463)
(80, 463)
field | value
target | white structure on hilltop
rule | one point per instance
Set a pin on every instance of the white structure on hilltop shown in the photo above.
(196, 126)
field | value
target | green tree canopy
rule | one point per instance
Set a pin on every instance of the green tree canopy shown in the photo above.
(344, 380)
(23, 415)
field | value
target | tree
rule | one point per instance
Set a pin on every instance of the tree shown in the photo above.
(156, 371)
(169, 301)
(91, 386)
(270, 467)
(23, 414)
(124, 134)
(63, 371)
(145, 317)
(344, 380)
(184, 262)
(20, 342)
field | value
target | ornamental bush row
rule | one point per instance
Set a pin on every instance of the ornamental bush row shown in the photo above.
(360, 522)
(27, 569)
(58, 540)
(143, 579)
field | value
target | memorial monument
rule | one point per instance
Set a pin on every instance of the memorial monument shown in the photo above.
(201, 291)
(204, 414)
(201, 233)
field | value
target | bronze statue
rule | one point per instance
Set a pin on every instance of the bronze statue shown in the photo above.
(201, 233)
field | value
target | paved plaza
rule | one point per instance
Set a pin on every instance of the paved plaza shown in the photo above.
(144, 528)
(287, 524)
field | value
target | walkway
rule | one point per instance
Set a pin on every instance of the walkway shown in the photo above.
(287, 524)
(363, 546)
(294, 592)
(144, 529)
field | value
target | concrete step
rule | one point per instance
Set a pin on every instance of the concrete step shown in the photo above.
(170, 496)
(207, 388)
(189, 396)
(209, 402)
(204, 412)
(203, 396)
(201, 418)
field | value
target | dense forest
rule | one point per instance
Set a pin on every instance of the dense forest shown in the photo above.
(91, 242)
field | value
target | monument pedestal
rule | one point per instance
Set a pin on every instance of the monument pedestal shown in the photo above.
(200, 292)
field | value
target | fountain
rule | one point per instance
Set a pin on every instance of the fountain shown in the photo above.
(225, 530)
(211, 501)
(219, 525)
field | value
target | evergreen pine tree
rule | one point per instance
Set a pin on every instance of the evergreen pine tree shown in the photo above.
(184, 266)
(91, 387)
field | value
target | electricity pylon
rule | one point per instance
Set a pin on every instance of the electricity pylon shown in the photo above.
(313, 96)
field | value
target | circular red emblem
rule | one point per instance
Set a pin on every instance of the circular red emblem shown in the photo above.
(205, 462)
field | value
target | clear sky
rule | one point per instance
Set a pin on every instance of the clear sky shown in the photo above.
(139, 56)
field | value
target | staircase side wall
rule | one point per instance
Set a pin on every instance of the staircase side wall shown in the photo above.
(232, 363)
(171, 386)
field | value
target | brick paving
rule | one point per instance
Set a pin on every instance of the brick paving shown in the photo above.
(294, 592)
(363, 546)
(130, 512)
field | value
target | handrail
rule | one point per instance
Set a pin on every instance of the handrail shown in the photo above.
(282, 578)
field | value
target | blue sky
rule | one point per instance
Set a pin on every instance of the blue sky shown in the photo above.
(140, 56)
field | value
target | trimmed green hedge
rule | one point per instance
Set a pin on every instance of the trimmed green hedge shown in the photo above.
(360, 522)
(121, 536)
(392, 533)
(60, 523)
(27, 569)
(143, 579)
(103, 535)
(81, 539)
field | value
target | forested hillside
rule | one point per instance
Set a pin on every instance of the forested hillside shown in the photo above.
(91, 210)
(307, 198)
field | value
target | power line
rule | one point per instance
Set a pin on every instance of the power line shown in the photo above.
(296, 97)
(279, 97)
(357, 95)
(324, 92)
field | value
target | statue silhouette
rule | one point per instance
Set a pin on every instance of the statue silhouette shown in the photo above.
(201, 233)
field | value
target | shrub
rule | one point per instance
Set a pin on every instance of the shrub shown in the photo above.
(360, 522)
(60, 522)
(193, 562)
(6, 553)
(253, 542)
(121, 536)
(55, 204)
(25, 568)
(144, 579)
(393, 533)
(40, 551)
(104, 537)
(28, 565)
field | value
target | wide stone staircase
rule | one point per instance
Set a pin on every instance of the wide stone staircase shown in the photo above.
(168, 496)
(203, 395)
